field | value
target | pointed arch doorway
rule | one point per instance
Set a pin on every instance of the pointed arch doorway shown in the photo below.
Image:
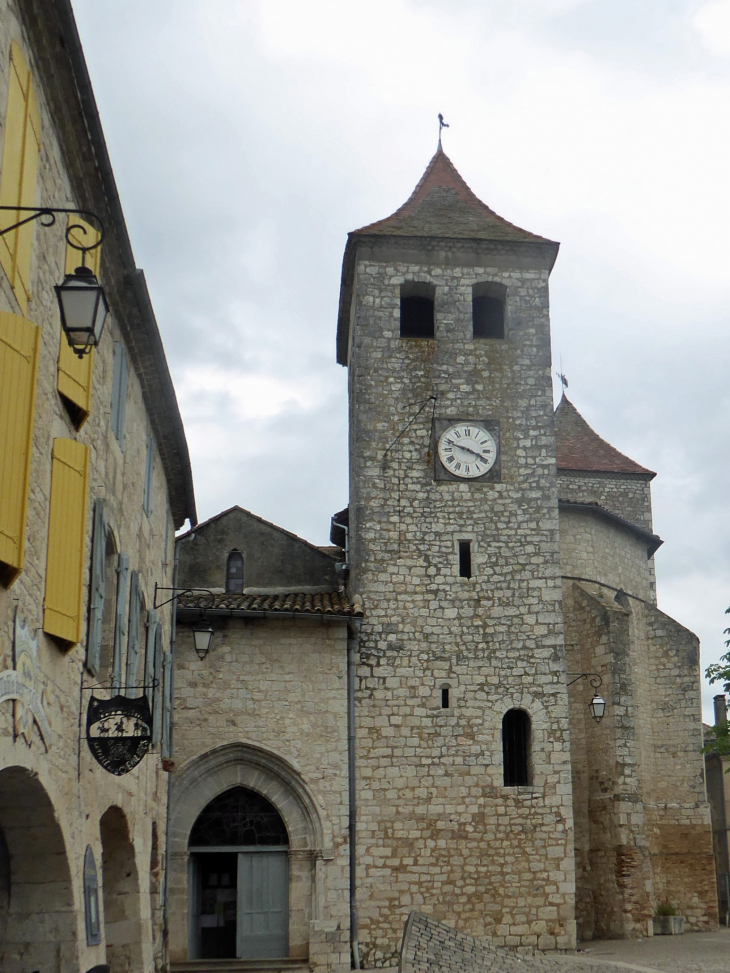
(239, 879)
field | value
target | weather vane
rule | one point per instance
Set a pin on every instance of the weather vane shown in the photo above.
(442, 124)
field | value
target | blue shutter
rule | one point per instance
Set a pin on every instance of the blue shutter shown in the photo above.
(131, 678)
(119, 393)
(167, 706)
(120, 626)
(98, 588)
(149, 468)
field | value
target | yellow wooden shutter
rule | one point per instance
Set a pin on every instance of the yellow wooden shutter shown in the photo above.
(21, 149)
(19, 340)
(74, 373)
(66, 540)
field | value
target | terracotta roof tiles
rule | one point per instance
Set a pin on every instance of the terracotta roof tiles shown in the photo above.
(581, 448)
(443, 205)
(297, 602)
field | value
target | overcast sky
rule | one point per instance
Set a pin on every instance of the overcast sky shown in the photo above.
(249, 136)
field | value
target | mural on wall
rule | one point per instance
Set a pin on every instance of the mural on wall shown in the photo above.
(21, 684)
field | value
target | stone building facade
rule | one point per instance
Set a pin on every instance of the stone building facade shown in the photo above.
(94, 480)
(495, 557)
(264, 714)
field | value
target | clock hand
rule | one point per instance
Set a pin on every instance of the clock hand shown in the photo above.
(472, 451)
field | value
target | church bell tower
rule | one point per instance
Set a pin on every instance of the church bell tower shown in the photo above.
(463, 764)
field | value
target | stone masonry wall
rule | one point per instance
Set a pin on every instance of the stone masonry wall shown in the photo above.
(594, 549)
(80, 791)
(627, 495)
(280, 686)
(437, 829)
(678, 814)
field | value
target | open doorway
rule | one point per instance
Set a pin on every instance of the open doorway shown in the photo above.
(239, 879)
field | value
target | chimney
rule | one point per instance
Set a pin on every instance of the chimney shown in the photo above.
(720, 709)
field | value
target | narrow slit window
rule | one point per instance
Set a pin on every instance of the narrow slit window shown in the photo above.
(234, 573)
(487, 307)
(417, 310)
(465, 559)
(445, 700)
(516, 733)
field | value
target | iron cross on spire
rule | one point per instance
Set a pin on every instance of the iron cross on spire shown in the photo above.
(442, 124)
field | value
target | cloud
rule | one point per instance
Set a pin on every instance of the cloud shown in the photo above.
(249, 138)
(712, 23)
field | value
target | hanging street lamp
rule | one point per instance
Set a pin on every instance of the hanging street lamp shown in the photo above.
(202, 637)
(202, 630)
(597, 706)
(81, 298)
(84, 307)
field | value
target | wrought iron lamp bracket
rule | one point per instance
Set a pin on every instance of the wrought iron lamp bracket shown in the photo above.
(46, 215)
(593, 678)
(177, 592)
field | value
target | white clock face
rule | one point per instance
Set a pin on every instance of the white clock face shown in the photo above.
(467, 450)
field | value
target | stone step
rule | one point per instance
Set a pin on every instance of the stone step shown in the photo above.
(241, 966)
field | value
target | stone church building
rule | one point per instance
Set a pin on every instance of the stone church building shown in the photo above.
(402, 720)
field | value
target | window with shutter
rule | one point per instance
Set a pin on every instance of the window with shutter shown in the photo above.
(74, 373)
(149, 468)
(19, 341)
(66, 540)
(97, 590)
(119, 393)
(21, 149)
(120, 624)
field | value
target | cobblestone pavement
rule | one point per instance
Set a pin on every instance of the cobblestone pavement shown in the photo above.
(696, 952)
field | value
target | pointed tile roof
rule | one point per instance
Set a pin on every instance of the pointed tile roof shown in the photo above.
(440, 207)
(443, 205)
(580, 448)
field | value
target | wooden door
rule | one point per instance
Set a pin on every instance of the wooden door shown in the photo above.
(263, 905)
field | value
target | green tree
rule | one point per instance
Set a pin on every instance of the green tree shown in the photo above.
(720, 672)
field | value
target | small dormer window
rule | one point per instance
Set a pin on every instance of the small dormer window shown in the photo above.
(234, 573)
(417, 309)
(487, 305)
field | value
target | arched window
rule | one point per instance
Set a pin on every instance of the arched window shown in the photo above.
(416, 309)
(516, 733)
(234, 572)
(239, 816)
(487, 304)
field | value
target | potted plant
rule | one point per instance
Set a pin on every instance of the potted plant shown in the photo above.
(667, 921)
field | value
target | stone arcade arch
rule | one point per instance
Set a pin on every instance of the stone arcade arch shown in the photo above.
(37, 917)
(122, 923)
(267, 774)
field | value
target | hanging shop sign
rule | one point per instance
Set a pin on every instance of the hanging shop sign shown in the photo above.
(119, 731)
(21, 683)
